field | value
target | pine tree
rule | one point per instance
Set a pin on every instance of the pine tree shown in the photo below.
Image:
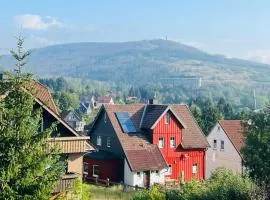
(29, 167)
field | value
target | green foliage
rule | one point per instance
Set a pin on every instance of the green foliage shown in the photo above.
(257, 149)
(154, 193)
(80, 191)
(223, 184)
(29, 168)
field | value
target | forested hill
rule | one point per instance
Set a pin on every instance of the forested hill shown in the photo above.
(138, 62)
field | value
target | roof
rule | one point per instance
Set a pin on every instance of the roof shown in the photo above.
(137, 147)
(105, 99)
(42, 93)
(234, 129)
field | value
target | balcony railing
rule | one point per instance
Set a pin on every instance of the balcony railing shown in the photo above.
(66, 183)
(70, 144)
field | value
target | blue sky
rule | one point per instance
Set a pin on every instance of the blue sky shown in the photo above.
(238, 28)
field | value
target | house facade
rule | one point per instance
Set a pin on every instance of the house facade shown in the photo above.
(74, 120)
(72, 145)
(226, 140)
(147, 143)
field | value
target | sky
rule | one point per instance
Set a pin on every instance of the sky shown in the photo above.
(236, 28)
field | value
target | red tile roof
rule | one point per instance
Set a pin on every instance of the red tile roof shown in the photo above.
(235, 132)
(136, 145)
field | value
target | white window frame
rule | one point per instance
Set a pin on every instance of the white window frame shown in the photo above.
(85, 168)
(105, 117)
(108, 141)
(172, 142)
(222, 144)
(195, 168)
(169, 169)
(161, 145)
(99, 140)
(167, 118)
(214, 144)
(93, 174)
(139, 174)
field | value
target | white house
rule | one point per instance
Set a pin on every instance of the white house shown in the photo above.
(226, 140)
(141, 177)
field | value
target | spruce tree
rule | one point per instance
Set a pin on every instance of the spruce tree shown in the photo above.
(29, 167)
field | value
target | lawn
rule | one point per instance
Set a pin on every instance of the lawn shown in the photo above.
(109, 193)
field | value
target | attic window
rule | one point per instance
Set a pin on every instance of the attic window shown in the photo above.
(167, 118)
(222, 145)
(105, 117)
(214, 144)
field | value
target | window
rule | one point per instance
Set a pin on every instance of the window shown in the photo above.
(195, 168)
(222, 145)
(167, 118)
(105, 117)
(95, 171)
(215, 144)
(108, 142)
(161, 142)
(85, 168)
(218, 128)
(157, 172)
(99, 142)
(170, 170)
(139, 174)
(172, 142)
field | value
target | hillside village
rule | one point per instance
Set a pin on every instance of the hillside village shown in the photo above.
(152, 100)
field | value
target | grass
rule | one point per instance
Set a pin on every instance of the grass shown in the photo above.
(110, 193)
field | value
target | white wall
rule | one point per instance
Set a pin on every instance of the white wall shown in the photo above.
(229, 157)
(133, 179)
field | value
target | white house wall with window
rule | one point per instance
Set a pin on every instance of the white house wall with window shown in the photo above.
(137, 178)
(222, 152)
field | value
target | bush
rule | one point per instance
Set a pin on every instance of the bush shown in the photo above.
(154, 193)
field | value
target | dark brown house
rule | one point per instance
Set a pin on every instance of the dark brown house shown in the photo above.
(142, 144)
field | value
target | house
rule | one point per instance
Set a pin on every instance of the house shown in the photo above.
(143, 144)
(71, 144)
(226, 140)
(84, 108)
(103, 100)
(74, 120)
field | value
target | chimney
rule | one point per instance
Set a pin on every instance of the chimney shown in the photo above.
(150, 101)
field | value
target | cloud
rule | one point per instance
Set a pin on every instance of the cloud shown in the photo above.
(36, 22)
(261, 55)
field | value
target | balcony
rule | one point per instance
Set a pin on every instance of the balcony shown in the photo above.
(71, 144)
(66, 183)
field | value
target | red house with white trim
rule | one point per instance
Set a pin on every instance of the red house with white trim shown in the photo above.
(150, 143)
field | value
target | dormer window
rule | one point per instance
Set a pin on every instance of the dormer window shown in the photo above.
(168, 118)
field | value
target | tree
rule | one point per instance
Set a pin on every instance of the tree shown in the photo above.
(257, 149)
(29, 168)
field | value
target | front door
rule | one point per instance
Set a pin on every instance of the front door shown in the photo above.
(146, 178)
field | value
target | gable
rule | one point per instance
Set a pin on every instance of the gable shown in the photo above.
(218, 133)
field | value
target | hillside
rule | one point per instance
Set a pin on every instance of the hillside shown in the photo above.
(138, 62)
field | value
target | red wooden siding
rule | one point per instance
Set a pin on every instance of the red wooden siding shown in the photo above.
(181, 160)
(185, 163)
(111, 169)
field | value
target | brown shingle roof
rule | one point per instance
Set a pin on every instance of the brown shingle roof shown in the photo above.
(42, 93)
(193, 137)
(235, 132)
